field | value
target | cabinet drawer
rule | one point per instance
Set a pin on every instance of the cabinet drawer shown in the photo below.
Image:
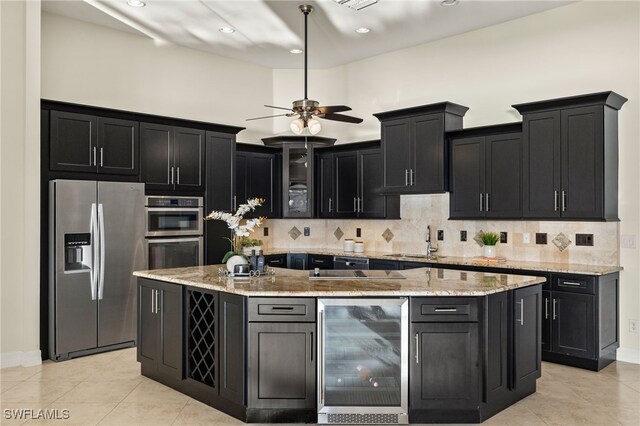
(320, 261)
(281, 309)
(574, 283)
(444, 309)
(276, 260)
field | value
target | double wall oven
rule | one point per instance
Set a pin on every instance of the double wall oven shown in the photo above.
(174, 236)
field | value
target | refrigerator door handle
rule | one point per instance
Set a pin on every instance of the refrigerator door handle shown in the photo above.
(95, 251)
(102, 250)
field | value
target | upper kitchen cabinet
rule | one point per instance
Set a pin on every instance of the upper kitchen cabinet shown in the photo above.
(486, 172)
(570, 160)
(220, 170)
(172, 157)
(92, 144)
(298, 172)
(350, 183)
(258, 175)
(414, 148)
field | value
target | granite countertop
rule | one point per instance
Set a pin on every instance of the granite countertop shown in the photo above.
(288, 282)
(567, 268)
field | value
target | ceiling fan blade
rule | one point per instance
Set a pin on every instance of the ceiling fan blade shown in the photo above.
(277, 107)
(266, 116)
(341, 117)
(333, 108)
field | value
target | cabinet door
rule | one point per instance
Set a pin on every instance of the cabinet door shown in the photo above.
(383, 265)
(262, 182)
(467, 178)
(117, 146)
(582, 153)
(282, 365)
(232, 346)
(496, 347)
(297, 261)
(546, 320)
(188, 151)
(220, 171)
(503, 174)
(242, 182)
(148, 324)
(443, 371)
(541, 164)
(396, 147)
(428, 159)
(370, 175)
(527, 334)
(73, 142)
(297, 178)
(573, 324)
(326, 197)
(170, 322)
(156, 156)
(276, 260)
(346, 184)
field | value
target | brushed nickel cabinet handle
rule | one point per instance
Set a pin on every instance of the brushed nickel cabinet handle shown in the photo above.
(95, 162)
(355, 208)
(571, 283)
(417, 349)
(171, 175)
(564, 201)
(446, 309)
(413, 177)
(521, 320)
(546, 308)
(153, 296)
(157, 306)
(330, 204)
(101, 156)
(555, 201)
(406, 177)
(555, 302)
(486, 201)
(481, 203)
(178, 173)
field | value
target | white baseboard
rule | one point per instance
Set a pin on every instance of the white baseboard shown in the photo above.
(20, 359)
(628, 355)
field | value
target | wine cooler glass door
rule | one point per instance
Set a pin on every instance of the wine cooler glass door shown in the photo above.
(363, 366)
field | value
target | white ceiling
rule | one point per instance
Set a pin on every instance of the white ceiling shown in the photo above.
(267, 29)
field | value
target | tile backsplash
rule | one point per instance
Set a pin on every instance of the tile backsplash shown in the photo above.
(417, 211)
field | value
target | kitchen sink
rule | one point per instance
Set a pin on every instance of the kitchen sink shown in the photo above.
(416, 256)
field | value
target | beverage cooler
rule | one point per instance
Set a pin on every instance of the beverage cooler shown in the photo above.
(363, 361)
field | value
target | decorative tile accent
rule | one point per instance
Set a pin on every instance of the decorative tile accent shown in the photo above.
(338, 233)
(478, 238)
(561, 241)
(294, 233)
(387, 235)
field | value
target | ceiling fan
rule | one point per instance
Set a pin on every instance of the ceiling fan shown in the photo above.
(306, 110)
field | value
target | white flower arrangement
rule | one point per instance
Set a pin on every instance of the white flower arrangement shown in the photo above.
(234, 222)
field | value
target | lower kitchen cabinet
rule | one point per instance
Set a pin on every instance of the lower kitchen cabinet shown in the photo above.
(320, 261)
(383, 265)
(527, 335)
(297, 261)
(276, 260)
(282, 365)
(160, 327)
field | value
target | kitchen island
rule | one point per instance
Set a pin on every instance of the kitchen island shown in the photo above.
(423, 345)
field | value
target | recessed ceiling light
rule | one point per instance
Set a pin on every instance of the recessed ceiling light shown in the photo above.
(296, 51)
(136, 3)
(363, 30)
(448, 2)
(227, 30)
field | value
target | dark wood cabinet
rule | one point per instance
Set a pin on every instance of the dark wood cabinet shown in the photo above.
(527, 335)
(173, 158)
(486, 172)
(232, 347)
(320, 261)
(570, 160)
(414, 149)
(297, 261)
(346, 184)
(92, 144)
(580, 320)
(281, 365)
(276, 260)
(383, 265)
(220, 171)
(258, 175)
(160, 342)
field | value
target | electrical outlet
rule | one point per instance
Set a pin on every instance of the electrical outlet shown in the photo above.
(503, 238)
(440, 235)
(541, 238)
(633, 325)
(463, 235)
(584, 239)
(265, 231)
(307, 231)
(526, 238)
(628, 241)
(358, 232)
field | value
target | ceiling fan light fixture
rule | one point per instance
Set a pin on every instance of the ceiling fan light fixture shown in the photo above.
(227, 30)
(296, 51)
(363, 30)
(449, 2)
(136, 3)
(314, 126)
(297, 126)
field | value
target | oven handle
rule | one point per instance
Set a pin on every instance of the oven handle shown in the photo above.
(174, 209)
(172, 240)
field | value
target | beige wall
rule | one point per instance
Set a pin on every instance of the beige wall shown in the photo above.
(19, 182)
(580, 48)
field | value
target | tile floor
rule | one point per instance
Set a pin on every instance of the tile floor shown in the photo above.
(108, 389)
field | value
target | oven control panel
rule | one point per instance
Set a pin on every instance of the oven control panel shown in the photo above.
(174, 201)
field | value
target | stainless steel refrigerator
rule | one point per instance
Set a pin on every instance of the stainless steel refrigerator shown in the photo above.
(96, 242)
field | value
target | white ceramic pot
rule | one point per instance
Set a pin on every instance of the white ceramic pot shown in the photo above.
(358, 247)
(490, 251)
(348, 245)
(236, 260)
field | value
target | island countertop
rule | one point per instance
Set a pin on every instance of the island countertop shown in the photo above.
(296, 283)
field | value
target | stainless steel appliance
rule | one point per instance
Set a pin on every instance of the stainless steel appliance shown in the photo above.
(363, 361)
(332, 274)
(341, 262)
(96, 242)
(174, 232)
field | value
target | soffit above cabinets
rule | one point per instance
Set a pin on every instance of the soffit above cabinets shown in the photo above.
(266, 30)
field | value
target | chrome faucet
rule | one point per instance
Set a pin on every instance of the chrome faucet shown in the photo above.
(431, 249)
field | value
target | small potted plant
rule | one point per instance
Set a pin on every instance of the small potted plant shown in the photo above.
(249, 244)
(490, 239)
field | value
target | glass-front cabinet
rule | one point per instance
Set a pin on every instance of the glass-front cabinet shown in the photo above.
(363, 360)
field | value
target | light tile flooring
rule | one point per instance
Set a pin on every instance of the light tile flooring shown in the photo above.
(108, 389)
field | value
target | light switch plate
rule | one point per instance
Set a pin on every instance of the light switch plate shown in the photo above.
(526, 238)
(628, 241)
